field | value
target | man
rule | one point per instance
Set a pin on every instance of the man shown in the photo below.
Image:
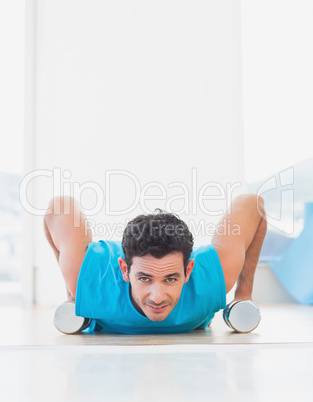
(155, 281)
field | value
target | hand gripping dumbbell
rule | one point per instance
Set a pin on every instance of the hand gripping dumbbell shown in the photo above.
(66, 321)
(242, 315)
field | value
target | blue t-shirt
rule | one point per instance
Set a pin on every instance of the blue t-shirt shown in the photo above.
(102, 293)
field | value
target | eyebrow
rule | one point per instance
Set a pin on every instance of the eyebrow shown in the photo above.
(141, 273)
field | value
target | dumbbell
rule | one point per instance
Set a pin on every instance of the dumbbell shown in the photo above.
(242, 316)
(66, 321)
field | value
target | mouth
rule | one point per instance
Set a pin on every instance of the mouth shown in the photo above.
(156, 309)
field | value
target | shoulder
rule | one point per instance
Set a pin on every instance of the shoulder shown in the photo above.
(202, 251)
(108, 247)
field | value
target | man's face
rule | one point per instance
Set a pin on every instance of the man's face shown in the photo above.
(156, 282)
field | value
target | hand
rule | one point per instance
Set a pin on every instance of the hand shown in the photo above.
(243, 294)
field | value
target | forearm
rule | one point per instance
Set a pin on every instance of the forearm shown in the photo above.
(246, 277)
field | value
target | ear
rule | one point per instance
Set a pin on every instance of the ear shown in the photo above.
(123, 267)
(189, 269)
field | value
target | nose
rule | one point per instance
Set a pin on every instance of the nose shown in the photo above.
(157, 295)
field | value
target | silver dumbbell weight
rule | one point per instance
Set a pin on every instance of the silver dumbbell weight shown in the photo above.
(242, 315)
(66, 321)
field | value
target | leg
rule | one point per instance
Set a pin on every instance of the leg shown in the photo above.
(64, 226)
(239, 250)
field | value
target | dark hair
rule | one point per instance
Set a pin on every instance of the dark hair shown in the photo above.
(158, 234)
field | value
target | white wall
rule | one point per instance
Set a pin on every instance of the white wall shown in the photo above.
(151, 88)
(277, 39)
(12, 16)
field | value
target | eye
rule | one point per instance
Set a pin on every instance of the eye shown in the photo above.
(143, 279)
(172, 280)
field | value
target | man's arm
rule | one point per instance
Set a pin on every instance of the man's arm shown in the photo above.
(245, 280)
(66, 232)
(239, 248)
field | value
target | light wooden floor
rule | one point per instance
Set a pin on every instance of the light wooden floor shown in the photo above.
(273, 363)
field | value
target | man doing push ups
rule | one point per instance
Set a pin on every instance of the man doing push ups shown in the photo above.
(154, 280)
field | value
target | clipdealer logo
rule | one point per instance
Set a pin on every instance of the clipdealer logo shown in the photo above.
(193, 198)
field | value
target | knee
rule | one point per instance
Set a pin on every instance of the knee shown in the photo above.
(256, 199)
(59, 205)
(253, 201)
